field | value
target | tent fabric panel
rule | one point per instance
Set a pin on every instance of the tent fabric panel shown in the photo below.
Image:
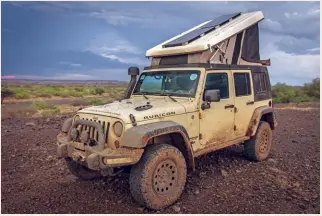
(250, 49)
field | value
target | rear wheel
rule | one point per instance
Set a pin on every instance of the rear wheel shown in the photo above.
(158, 179)
(259, 146)
(80, 171)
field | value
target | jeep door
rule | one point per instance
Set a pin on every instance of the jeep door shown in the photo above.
(217, 122)
(244, 101)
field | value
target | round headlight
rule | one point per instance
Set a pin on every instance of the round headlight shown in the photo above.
(74, 133)
(76, 117)
(118, 129)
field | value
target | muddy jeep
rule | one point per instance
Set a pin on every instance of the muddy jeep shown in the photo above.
(190, 101)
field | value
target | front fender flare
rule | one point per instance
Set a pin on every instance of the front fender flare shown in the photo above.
(139, 136)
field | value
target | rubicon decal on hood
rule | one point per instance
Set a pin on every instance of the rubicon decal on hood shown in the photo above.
(159, 115)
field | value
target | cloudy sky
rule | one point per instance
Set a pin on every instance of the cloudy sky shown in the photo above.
(100, 40)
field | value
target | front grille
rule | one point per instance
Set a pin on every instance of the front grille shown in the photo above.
(93, 133)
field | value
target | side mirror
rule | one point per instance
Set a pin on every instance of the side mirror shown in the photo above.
(212, 95)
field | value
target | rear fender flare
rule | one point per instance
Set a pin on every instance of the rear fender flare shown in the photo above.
(257, 115)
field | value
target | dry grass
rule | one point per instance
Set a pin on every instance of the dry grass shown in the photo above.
(69, 109)
(22, 112)
(297, 108)
(79, 102)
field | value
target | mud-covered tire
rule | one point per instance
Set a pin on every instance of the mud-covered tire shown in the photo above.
(80, 171)
(159, 178)
(259, 146)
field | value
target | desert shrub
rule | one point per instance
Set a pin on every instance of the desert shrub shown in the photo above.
(22, 95)
(76, 94)
(44, 95)
(79, 89)
(283, 93)
(5, 93)
(95, 102)
(47, 91)
(99, 91)
(51, 112)
(41, 105)
(312, 89)
(51, 90)
(64, 94)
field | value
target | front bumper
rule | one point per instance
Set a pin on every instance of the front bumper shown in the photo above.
(95, 157)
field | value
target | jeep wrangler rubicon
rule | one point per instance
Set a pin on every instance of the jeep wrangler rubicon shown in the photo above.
(205, 89)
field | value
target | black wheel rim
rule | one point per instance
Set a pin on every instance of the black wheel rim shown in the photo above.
(264, 142)
(165, 177)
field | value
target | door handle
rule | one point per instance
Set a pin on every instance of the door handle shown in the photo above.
(229, 106)
(250, 103)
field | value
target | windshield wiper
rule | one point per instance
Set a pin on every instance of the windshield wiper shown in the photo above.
(141, 93)
(169, 95)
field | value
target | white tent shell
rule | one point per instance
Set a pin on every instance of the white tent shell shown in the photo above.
(216, 46)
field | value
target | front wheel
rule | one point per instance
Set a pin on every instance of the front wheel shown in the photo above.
(159, 178)
(259, 146)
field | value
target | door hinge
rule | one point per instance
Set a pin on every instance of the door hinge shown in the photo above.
(200, 116)
(235, 109)
(235, 127)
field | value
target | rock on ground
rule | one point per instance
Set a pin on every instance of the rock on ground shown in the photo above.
(34, 182)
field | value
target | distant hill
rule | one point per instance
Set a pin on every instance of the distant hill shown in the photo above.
(31, 80)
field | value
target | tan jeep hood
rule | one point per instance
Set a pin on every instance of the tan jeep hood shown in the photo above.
(160, 107)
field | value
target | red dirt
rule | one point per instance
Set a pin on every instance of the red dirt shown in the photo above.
(34, 181)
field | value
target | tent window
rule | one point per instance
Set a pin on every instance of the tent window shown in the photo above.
(242, 84)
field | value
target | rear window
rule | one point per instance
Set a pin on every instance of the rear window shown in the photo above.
(260, 81)
(242, 84)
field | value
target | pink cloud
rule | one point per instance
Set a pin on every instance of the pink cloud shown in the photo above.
(8, 77)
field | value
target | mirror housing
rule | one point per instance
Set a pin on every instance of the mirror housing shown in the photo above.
(212, 95)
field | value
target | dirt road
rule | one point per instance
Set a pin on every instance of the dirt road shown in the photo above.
(34, 181)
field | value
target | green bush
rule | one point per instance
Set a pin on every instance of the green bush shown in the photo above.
(99, 91)
(312, 89)
(283, 93)
(40, 105)
(22, 95)
(44, 95)
(5, 93)
(95, 102)
(76, 94)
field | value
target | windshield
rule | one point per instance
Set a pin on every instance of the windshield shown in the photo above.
(173, 83)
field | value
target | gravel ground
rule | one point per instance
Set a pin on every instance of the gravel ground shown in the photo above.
(34, 181)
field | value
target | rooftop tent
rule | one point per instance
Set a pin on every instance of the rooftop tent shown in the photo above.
(250, 50)
(228, 39)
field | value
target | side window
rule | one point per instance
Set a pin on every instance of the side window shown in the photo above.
(242, 84)
(218, 81)
(263, 84)
(260, 82)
